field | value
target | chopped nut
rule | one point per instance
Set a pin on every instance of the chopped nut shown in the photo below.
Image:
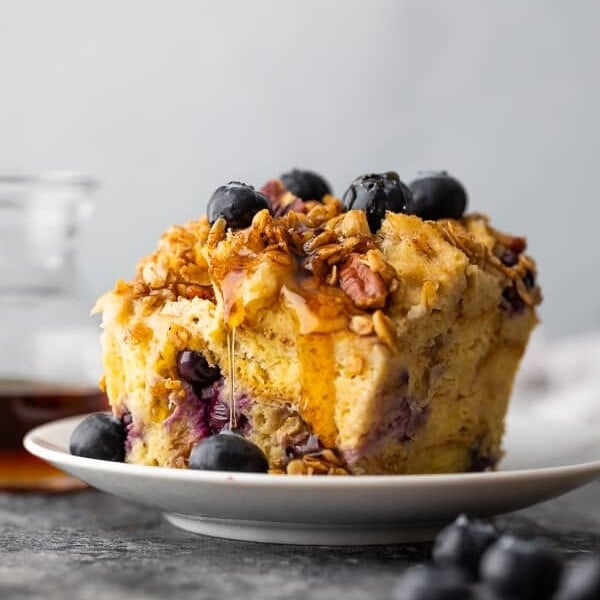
(366, 288)
(462, 239)
(527, 263)
(524, 293)
(328, 251)
(319, 214)
(155, 274)
(384, 330)
(377, 263)
(295, 467)
(515, 243)
(216, 233)
(337, 471)
(194, 291)
(260, 220)
(330, 456)
(355, 223)
(361, 324)
(315, 464)
(332, 278)
(298, 238)
(325, 237)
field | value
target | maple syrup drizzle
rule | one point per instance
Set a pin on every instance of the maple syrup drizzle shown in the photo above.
(317, 375)
(231, 377)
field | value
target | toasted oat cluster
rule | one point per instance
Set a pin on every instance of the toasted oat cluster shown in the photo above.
(350, 337)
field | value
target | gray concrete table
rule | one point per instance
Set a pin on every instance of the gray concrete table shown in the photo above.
(88, 545)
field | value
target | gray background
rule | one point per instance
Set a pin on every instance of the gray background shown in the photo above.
(164, 101)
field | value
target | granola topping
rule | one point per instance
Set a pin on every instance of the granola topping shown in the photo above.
(312, 255)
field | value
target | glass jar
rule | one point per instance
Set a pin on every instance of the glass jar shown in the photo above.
(49, 348)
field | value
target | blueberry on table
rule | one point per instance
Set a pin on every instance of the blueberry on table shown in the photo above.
(424, 582)
(100, 436)
(237, 203)
(582, 580)
(437, 195)
(376, 193)
(194, 368)
(462, 543)
(306, 185)
(524, 569)
(228, 451)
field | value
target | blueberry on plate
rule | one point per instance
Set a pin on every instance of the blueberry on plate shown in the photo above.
(306, 185)
(581, 581)
(100, 436)
(228, 451)
(376, 193)
(437, 195)
(237, 203)
(524, 569)
(462, 543)
(425, 582)
(194, 368)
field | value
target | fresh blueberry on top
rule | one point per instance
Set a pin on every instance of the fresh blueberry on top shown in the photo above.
(462, 543)
(376, 193)
(306, 185)
(524, 569)
(425, 582)
(237, 203)
(194, 368)
(437, 195)
(582, 580)
(228, 451)
(100, 436)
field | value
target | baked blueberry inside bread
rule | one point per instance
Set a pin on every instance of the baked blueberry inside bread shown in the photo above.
(352, 337)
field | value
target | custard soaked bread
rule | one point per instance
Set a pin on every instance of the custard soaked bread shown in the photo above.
(352, 337)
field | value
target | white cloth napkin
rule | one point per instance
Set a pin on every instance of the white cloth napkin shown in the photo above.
(560, 379)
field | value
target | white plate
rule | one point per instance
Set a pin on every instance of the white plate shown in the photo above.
(544, 459)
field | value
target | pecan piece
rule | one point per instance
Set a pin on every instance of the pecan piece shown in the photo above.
(366, 288)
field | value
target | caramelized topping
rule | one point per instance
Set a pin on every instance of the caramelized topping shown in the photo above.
(324, 264)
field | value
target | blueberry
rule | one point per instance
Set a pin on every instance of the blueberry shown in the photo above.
(462, 543)
(194, 368)
(509, 258)
(424, 582)
(529, 280)
(524, 569)
(100, 436)
(582, 580)
(437, 195)
(228, 451)
(237, 203)
(511, 302)
(306, 185)
(375, 194)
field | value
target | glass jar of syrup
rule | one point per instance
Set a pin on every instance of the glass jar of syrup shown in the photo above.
(49, 349)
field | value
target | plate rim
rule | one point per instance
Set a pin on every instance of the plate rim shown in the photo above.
(34, 444)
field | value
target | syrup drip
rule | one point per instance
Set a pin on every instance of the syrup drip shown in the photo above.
(231, 378)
